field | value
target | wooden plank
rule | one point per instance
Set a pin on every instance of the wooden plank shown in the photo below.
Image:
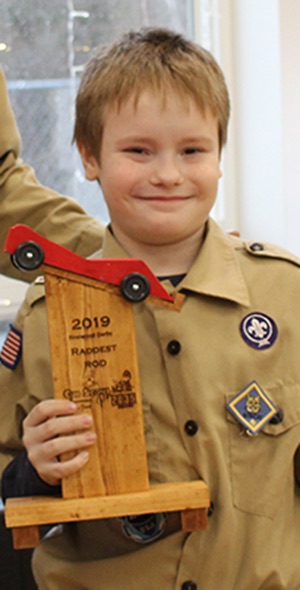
(94, 363)
(167, 497)
(175, 305)
(26, 537)
(194, 520)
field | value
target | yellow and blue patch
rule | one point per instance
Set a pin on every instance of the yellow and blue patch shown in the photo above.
(252, 408)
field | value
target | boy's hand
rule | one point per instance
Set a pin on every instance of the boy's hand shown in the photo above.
(52, 428)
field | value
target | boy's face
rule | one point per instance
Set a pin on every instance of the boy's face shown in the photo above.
(158, 169)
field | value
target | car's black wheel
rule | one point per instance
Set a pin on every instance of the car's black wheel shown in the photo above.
(28, 256)
(135, 287)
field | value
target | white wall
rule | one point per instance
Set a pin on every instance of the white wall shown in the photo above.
(258, 114)
(261, 62)
(290, 78)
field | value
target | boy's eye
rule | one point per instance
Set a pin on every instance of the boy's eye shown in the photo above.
(136, 150)
(193, 150)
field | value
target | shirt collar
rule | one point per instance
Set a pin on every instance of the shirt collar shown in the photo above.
(111, 248)
(216, 271)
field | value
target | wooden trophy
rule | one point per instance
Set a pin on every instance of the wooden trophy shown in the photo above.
(94, 363)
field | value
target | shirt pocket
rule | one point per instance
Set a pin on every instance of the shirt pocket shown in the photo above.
(262, 468)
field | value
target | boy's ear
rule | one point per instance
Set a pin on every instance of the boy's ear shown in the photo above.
(90, 164)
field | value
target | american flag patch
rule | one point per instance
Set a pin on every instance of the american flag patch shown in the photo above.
(12, 348)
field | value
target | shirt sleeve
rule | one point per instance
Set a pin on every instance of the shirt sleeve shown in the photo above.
(10, 140)
(21, 479)
(24, 200)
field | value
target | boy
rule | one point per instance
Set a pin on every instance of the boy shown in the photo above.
(151, 121)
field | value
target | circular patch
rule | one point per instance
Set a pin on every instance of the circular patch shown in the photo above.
(145, 528)
(259, 330)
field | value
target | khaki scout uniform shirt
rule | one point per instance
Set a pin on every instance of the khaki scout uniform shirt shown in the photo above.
(24, 200)
(191, 364)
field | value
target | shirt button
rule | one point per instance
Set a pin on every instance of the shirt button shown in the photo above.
(257, 247)
(174, 347)
(277, 418)
(189, 585)
(191, 427)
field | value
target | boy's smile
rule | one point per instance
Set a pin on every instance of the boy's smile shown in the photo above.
(159, 171)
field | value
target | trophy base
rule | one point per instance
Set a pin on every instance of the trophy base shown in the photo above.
(25, 515)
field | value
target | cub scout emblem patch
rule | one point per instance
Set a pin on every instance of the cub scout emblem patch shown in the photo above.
(145, 528)
(252, 408)
(258, 330)
(12, 348)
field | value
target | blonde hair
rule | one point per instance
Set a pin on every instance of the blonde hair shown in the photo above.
(156, 59)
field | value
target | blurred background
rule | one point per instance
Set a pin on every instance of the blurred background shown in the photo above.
(44, 45)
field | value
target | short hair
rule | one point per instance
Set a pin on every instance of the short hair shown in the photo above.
(150, 58)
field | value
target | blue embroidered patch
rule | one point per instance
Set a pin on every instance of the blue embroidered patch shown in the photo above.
(259, 330)
(252, 408)
(12, 348)
(144, 528)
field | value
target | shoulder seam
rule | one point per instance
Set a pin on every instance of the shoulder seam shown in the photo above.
(264, 250)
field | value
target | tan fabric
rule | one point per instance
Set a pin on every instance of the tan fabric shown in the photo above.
(10, 139)
(24, 200)
(252, 542)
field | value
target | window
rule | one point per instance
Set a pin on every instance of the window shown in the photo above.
(43, 47)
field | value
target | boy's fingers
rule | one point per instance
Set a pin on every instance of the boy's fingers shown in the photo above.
(64, 444)
(45, 456)
(48, 409)
(54, 428)
(59, 431)
(54, 472)
(63, 425)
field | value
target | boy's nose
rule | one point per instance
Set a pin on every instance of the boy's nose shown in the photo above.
(166, 171)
